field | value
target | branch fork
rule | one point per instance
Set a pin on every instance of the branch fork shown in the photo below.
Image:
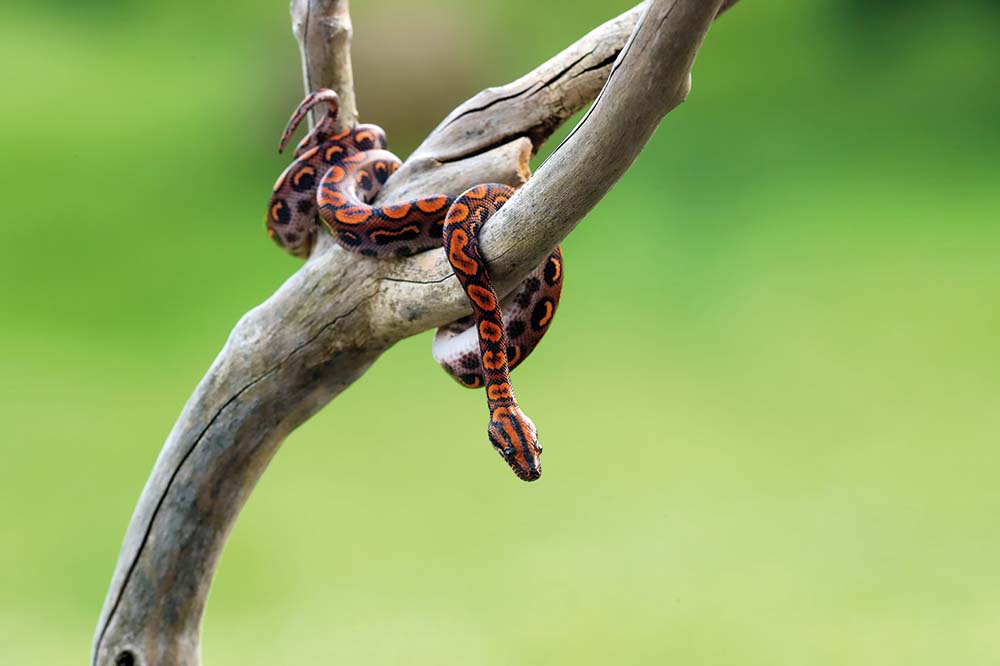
(328, 323)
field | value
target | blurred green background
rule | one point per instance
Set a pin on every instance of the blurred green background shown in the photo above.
(771, 425)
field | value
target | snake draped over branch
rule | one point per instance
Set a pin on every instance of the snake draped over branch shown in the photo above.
(336, 176)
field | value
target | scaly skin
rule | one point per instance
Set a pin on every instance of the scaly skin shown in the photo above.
(336, 176)
(511, 432)
(291, 215)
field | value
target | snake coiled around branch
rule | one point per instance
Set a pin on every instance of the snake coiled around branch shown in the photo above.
(333, 180)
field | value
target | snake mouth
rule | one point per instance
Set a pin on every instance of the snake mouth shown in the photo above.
(532, 473)
(527, 475)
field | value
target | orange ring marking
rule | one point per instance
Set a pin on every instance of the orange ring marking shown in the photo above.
(398, 232)
(490, 331)
(334, 175)
(482, 296)
(494, 360)
(431, 204)
(517, 356)
(398, 211)
(274, 210)
(499, 391)
(456, 253)
(306, 170)
(558, 265)
(331, 151)
(549, 311)
(457, 213)
(329, 197)
(353, 215)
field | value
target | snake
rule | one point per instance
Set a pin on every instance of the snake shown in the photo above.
(332, 182)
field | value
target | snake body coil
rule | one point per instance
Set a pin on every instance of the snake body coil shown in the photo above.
(338, 175)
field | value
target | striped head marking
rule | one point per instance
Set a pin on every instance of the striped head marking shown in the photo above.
(515, 438)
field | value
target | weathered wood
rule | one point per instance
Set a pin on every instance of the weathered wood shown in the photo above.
(532, 107)
(648, 81)
(322, 329)
(323, 29)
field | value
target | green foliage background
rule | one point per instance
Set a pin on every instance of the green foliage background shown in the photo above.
(769, 403)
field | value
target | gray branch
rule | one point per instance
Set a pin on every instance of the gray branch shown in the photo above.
(325, 326)
(323, 30)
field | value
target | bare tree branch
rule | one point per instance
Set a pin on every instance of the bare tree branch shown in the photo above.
(649, 79)
(532, 107)
(323, 30)
(324, 327)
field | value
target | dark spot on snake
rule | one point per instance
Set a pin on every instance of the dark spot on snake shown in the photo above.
(304, 181)
(305, 206)
(403, 252)
(533, 284)
(522, 298)
(539, 313)
(281, 213)
(368, 252)
(437, 229)
(381, 172)
(552, 271)
(364, 180)
(333, 154)
(347, 238)
(470, 362)
(515, 328)
(469, 379)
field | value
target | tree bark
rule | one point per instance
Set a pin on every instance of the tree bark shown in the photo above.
(325, 326)
(323, 29)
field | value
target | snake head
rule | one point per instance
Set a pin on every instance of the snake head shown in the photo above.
(515, 438)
